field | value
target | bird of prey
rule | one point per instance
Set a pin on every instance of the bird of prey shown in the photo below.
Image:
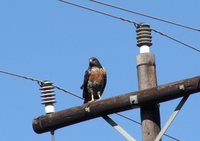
(95, 79)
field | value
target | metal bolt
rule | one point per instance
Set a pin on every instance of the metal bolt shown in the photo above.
(182, 87)
(87, 109)
(133, 99)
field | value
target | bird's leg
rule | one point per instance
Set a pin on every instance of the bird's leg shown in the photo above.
(92, 99)
(92, 95)
(90, 102)
(99, 95)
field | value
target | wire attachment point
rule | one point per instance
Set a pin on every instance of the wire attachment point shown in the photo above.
(48, 96)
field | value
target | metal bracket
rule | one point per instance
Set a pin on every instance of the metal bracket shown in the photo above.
(118, 128)
(87, 109)
(182, 87)
(133, 99)
(172, 117)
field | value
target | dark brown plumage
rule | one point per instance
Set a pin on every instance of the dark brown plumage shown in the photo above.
(94, 81)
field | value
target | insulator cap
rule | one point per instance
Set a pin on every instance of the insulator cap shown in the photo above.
(143, 35)
(47, 93)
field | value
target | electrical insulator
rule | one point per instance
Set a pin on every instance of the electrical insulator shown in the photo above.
(144, 38)
(48, 96)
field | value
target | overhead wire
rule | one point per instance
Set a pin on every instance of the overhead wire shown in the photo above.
(39, 82)
(131, 22)
(145, 15)
(100, 12)
(176, 40)
(66, 91)
(132, 120)
(21, 76)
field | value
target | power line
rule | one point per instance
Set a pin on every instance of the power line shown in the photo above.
(176, 40)
(145, 15)
(132, 22)
(39, 82)
(73, 94)
(21, 76)
(125, 117)
(100, 12)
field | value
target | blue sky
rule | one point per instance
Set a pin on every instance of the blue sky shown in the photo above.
(50, 40)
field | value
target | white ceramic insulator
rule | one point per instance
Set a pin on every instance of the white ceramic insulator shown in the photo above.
(49, 109)
(144, 49)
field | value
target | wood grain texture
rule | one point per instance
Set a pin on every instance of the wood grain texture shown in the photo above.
(150, 115)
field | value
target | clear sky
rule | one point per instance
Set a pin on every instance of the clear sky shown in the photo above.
(50, 40)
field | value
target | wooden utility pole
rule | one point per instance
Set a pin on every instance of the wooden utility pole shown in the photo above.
(120, 103)
(147, 98)
(146, 69)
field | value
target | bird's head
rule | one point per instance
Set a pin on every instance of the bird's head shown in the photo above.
(94, 62)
